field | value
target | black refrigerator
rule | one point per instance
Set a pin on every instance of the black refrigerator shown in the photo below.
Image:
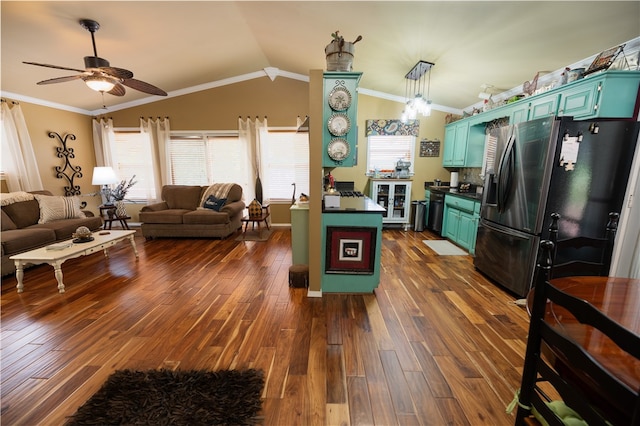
(578, 169)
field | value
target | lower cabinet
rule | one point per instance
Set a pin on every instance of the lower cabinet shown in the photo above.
(395, 197)
(460, 221)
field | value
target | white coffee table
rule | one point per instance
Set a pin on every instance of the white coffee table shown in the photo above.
(56, 258)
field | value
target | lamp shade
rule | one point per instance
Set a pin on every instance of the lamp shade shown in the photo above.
(103, 176)
(99, 84)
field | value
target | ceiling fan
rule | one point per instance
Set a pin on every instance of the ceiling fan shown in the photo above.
(99, 75)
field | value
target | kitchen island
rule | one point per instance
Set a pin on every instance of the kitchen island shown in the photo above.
(352, 242)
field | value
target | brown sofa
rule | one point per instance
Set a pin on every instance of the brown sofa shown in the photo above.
(21, 231)
(181, 212)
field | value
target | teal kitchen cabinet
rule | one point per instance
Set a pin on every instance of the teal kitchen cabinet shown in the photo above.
(458, 152)
(519, 113)
(543, 106)
(460, 221)
(580, 101)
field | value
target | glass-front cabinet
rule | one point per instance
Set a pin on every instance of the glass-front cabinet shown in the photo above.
(394, 195)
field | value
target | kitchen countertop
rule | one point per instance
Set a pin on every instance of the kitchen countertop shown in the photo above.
(355, 205)
(454, 191)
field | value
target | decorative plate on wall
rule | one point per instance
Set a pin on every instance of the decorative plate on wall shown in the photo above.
(338, 149)
(339, 124)
(339, 98)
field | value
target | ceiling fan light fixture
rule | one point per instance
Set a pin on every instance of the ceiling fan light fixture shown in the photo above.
(99, 84)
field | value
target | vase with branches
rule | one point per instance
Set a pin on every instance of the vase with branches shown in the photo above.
(119, 193)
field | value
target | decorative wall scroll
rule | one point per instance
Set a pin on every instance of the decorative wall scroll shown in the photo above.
(67, 171)
(430, 148)
(385, 127)
(350, 250)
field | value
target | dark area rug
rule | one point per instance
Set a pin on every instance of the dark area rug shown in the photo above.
(165, 397)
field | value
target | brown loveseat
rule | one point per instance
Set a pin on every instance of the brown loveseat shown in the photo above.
(21, 231)
(188, 211)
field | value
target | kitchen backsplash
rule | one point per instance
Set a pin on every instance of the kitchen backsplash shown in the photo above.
(470, 175)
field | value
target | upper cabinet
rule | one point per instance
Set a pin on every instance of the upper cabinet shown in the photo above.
(339, 117)
(611, 94)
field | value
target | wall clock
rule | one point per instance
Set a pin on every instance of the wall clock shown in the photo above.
(338, 149)
(339, 124)
(339, 98)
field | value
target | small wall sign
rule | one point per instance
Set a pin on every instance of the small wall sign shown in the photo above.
(429, 148)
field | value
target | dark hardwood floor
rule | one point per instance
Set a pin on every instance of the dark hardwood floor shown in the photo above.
(436, 344)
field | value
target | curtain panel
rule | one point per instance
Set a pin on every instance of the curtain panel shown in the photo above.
(18, 156)
(159, 133)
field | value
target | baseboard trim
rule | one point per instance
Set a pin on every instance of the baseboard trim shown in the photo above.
(313, 293)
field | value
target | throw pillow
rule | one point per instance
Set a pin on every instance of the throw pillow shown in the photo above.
(214, 203)
(57, 208)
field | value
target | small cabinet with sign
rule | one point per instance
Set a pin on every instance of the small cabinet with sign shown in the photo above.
(340, 134)
(394, 195)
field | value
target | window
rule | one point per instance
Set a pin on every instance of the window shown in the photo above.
(132, 156)
(383, 152)
(202, 159)
(285, 160)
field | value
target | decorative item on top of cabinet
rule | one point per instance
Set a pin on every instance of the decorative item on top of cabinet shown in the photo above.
(339, 135)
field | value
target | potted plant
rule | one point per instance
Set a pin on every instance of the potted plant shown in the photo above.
(119, 194)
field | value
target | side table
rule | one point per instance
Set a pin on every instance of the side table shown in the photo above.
(257, 219)
(108, 214)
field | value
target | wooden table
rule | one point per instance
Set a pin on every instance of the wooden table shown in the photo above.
(257, 220)
(108, 214)
(619, 299)
(101, 242)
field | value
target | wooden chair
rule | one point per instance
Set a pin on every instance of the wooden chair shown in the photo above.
(614, 402)
(582, 255)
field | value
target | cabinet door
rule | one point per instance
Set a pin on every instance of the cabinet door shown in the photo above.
(460, 145)
(543, 107)
(466, 230)
(581, 101)
(449, 144)
(401, 202)
(451, 223)
(382, 196)
(519, 114)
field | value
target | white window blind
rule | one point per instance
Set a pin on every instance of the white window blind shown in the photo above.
(202, 159)
(383, 152)
(132, 154)
(285, 160)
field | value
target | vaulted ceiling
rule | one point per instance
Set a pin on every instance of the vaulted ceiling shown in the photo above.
(182, 45)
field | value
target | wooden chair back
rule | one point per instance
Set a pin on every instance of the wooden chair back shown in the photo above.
(570, 366)
(582, 255)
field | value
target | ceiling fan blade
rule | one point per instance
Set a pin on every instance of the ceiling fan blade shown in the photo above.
(144, 87)
(60, 79)
(118, 90)
(117, 72)
(53, 66)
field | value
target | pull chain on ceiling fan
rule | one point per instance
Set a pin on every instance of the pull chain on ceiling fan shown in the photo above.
(98, 74)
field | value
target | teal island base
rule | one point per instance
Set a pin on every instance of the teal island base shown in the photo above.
(352, 244)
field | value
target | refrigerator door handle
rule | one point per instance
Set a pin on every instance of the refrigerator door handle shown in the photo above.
(504, 230)
(506, 171)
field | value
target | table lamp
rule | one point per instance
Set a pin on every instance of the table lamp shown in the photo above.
(104, 176)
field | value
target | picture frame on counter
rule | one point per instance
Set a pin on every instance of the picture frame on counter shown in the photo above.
(350, 250)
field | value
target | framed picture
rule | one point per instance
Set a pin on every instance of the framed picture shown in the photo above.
(350, 250)
(429, 148)
(604, 60)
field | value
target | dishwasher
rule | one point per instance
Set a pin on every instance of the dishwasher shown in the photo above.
(436, 211)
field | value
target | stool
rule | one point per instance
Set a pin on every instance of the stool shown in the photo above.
(299, 276)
